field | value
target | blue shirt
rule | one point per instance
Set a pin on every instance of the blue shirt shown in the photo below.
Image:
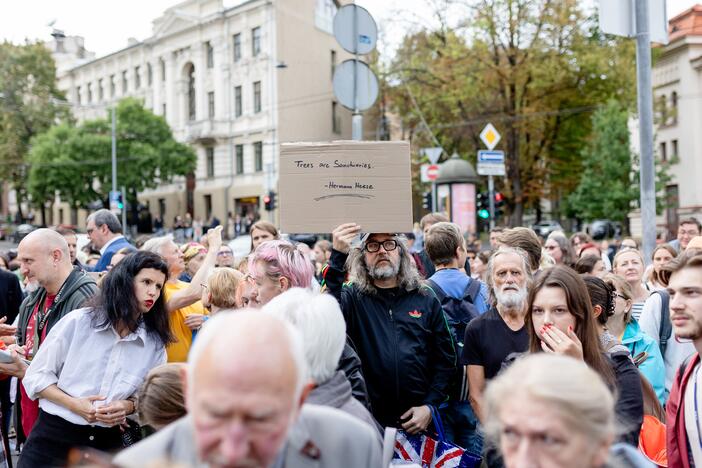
(454, 282)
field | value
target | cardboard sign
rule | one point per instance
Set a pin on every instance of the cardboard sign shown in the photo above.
(323, 185)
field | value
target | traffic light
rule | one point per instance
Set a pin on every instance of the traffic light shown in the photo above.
(499, 204)
(269, 201)
(427, 201)
(483, 206)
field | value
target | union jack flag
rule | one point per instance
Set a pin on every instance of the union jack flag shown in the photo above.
(432, 453)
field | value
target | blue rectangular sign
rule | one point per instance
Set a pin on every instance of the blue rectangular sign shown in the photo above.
(493, 157)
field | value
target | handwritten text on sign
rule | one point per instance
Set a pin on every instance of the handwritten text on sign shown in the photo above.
(323, 185)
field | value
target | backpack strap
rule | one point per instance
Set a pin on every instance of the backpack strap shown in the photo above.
(472, 290)
(436, 290)
(665, 330)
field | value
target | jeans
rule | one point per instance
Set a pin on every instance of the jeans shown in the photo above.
(461, 426)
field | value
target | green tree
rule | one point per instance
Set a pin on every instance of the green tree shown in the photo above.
(607, 187)
(147, 155)
(535, 69)
(29, 105)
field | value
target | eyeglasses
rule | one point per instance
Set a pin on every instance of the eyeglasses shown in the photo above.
(388, 245)
(620, 296)
(691, 232)
(224, 253)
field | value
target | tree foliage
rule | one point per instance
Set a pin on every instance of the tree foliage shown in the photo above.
(75, 162)
(607, 187)
(536, 69)
(30, 103)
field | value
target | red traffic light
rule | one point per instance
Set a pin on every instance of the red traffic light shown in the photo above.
(266, 199)
(499, 197)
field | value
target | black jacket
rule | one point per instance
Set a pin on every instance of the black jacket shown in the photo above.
(403, 340)
(77, 288)
(10, 296)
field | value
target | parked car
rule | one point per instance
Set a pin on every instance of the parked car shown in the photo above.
(544, 228)
(21, 232)
(601, 229)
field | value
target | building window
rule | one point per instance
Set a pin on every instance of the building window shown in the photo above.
(191, 92)
(662, 110)
(113, 86)
(664, 152)
(257, 96)
(674, 106)
(161, 208)
(208, 206)
(163, 69)
(238, 103)
(674, 149)
(239, 149)
(258, 156)
(149, 74)
(256, 41)
(163, 110)
(124, 82)
(78, 96)
(90, 93)
(210, 54)
(237, 47)
(137, 78)
(210, 105)
(100, 92)
(333, 63)
(336, 124)
(209, 154)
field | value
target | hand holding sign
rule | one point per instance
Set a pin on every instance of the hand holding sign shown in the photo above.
(343, 235)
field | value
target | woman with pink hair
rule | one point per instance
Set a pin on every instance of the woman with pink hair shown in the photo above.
(277, 266)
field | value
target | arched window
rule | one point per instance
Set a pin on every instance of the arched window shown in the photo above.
(190, 71)
(674, 106)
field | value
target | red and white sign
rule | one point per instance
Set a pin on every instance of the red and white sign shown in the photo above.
(433, 172)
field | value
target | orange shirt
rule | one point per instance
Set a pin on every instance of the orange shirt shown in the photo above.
(178, 351)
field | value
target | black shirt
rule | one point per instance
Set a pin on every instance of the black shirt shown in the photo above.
(489, 341)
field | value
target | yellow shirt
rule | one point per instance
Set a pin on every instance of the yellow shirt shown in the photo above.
(178, 351)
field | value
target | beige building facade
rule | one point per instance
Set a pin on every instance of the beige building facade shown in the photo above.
(234, 83)
(677, 88)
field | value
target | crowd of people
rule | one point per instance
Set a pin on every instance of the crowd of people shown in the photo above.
(535, 352)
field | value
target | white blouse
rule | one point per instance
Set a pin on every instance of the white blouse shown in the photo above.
(84, 361)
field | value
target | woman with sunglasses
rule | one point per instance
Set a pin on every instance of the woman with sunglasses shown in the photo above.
(94, 360)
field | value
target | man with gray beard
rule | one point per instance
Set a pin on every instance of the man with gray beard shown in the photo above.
(499, 332)
(396, 324)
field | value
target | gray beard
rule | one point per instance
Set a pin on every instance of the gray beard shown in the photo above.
(384, 272)
(512, 299)
(31, 286)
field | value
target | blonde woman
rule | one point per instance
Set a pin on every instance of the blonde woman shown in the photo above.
(629, 264)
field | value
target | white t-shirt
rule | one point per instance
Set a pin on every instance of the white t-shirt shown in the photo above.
(676, 351)
(692, 425)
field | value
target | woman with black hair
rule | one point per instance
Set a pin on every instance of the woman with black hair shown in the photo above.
(94, 360)
(560, 320)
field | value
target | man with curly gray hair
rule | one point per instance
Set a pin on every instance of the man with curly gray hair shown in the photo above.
(396, 324)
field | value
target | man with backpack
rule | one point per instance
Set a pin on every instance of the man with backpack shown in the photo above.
(462, 299)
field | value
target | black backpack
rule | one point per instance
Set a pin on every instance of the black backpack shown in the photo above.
(458, 312)
(665, 330)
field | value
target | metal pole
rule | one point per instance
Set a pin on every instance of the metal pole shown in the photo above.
(357, 117)
(491, 195)
(434, 201)
(124, 209)
(645, 101)
(114, 150)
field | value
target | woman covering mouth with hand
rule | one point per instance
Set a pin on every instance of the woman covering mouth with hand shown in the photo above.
(93, 362)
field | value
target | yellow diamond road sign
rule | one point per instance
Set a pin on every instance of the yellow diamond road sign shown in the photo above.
(490, 136)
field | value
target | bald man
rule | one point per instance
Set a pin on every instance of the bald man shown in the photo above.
(695, 243)
(56, 288)
(246, 384)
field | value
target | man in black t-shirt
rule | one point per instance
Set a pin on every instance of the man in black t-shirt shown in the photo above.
(499, 332)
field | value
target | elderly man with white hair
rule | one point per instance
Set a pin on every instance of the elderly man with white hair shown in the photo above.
(183, 299)
(320, 321)
(246, 384)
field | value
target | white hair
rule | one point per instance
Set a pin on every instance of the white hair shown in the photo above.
(156, 244)
(319, 319)
(254, 323)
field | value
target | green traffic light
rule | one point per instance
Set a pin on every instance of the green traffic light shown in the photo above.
(484, 214)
